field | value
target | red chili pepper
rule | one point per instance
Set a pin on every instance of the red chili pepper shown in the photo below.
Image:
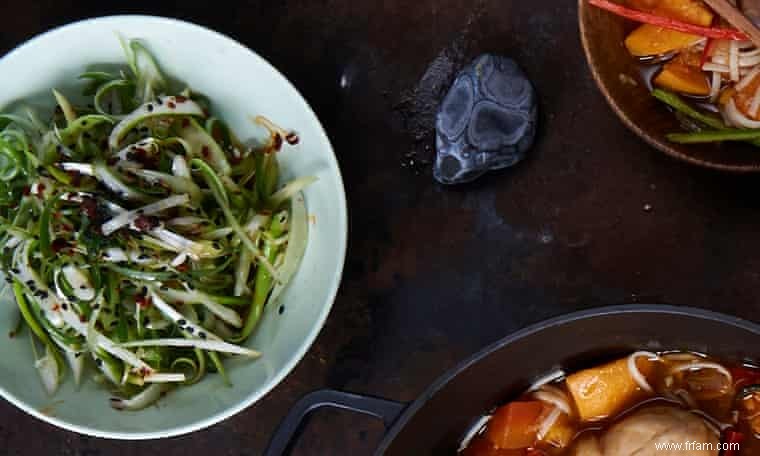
(732, 440)
(668, 23)
(707, 53)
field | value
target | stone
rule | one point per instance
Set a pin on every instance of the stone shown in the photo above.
(487, 121)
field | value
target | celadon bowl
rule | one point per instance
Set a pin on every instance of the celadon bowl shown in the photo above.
(240, 84)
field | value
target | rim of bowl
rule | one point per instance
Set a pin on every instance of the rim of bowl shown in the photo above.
(663, 147)
(308, 341)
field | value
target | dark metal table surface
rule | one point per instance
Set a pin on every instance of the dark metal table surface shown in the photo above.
(434, 274)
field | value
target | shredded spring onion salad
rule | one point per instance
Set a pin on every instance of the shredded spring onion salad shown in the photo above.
(142, 241)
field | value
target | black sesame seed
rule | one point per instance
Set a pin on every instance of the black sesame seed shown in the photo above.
(143, 257)
(159, 101)
(82, 287)
(96, 307)
(150, 108)
(30, 282)
(190, 329)
(114, 323)
(164, 288)
(99, 362)
(65, 306)
(182, 322)
(15, 271)
(202, 335)
(144, 290)
(77, 354)
(281, 310)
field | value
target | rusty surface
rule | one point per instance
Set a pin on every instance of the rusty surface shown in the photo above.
(593, 217)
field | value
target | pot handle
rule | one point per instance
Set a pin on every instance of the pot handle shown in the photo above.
(292, 426)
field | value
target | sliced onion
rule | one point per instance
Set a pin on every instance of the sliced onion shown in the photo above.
(705, 365)
(147, 397)
(158, 377)
(547, 379)
(547, 424)
(115, 255)
(733, 60)
(210, 345)
(716, 68)
(734, 117)
(633, 369)
(79, 282)
(715, 86)
(192, 297)
(556, 398)
(127, 217)
(180, 168)
(178, 260)
(755, 105)
(747, 80)
(170, 313)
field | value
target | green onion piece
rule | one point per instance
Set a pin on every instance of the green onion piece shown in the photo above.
(714, 136)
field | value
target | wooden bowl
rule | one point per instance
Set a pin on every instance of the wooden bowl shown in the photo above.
(614, 69)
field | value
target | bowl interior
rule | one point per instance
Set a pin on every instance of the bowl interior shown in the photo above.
(613, 67)
(502, 372)
(240, 84)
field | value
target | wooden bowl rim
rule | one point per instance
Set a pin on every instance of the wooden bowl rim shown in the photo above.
(649, 139)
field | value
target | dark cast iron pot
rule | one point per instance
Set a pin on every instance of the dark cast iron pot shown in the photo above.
(435, 423)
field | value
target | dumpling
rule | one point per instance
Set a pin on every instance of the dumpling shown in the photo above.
(643, 431)
(587, 446)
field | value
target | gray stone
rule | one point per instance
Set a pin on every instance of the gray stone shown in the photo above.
(487, 121)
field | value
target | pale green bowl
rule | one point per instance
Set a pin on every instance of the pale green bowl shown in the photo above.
(241, 84)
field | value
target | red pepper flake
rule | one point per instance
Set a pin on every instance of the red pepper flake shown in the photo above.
(146, 222)
(216, 133)
(40, 188)
(82, 319)
(56, 307)
(185, 123)
(171, 105)
(58, 245)
(277, 141)
(235, 159)
(90, 207)
(76, 178)
(26, 191)
(180, 303)
(184, 267)
(57, 215)
(205, 152)
(292, 138)
(180, 99)
(67, 227)
(144, 372)
(112, 161)
(144, 302)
